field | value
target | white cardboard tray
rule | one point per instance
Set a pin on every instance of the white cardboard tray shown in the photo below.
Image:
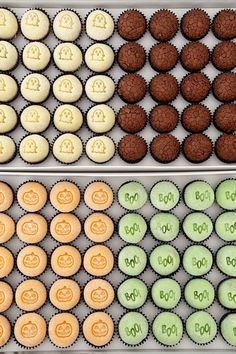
(117, 7)
(115, 243)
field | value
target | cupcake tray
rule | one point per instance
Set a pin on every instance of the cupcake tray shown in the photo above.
(115, 243)
(116, 163)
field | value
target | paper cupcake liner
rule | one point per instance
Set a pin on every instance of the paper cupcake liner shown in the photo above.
(86, 122)
(201, 344)
(215, 149)
(165, 242)
(84, 191)
(125, 275)
(170, 275)
(198, 162)
(180, 196)
(173, 13)
(28, 104)
(143, 341)
(195, 101)
(67, 163)
(96, 74)
(41, 71)
(45, 13)
(191, 71)
(164, 161)
(60, 102)
(104, 72)
(213, 88)
(161, 308)
(181, 25)
(202, 212)
(104, 10)
(14, 154)
(158, 69)
(133, 161)
(21, 345)
(32, 163)
(77, 14)
(123, 98)
(70, 72)
(138, 131)
(96, 162)
(90, 344)
(194, 308)
(8, 73)
(31, 102)
(146, 27)
(196, 104)
(125, 69)
(183, 334)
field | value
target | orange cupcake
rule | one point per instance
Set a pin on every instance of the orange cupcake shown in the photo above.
(32, 261)
(98, 294)
(31, 228)
(6, 296)
(65, 227)
(64, 294)
(32, 196)
(98, 227)
(98, 329)
(66, 261)
(6, 196)
(30, 329)
(98, 260)
(65, 196)
(5, 330)
(98, 196)
(6, 262)
(63, 329)
(7, 227)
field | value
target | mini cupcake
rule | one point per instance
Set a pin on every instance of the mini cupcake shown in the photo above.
(203, 151)
(35, 88)
(225, 260)
(35, 25)
(65, 227)
(227, 324)
(7, 149)
(195, 87)
(223, 25)
(163, 57)
(226, 292)
(30, 330)
(132, 260)
(131, 25)
(224, 56)
(36, 56)
(9, 24)
(65, 196)
(63, 329)
(99, 57)
(67, 25)
(163, 25)
(165, 260)
(131, 57)
(64, 294)
(194, 293)
(34, 148)
(196, 118)
(197, 260)
(98, 227)
(163, 88)
(32, 196)
(35, 118)
(195, 56)
(101, 118)
(8, 87)
(67, 88)
(6, 196)
(98, 260)
(165, 148)
(31, 228)
(133, 322)
(225, 148)
(197, 226)
(132, 118)
(100, 149)
(9, 56)
(6, 261)
(67, 57)
(98, 294)
(7, 228)
(99, 25)
(198, 195)
(224, 87)
(6, 297)
(132, 148)
(132, 196)
(8, 118)
(164, 227)
(171, 321)
(98, 329)
(67, 118)
(67, 148)
(100, 88)
(164, 118)
(225, 194)
(126, 293)
(160, 291)
(132, 88)
(32, 261)
(30, 295)
(6, 330)
(98, 196)
(132, 228)
(164, 195)
(201, 319)
(195, 24)
(66, 261)
(225, 118)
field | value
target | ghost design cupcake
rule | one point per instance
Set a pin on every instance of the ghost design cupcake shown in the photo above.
(34, 148)
(35, 25)
(8, 24)
(67, 57)
(36, 56)
(9, 56)
(99, 25)
(35, 88)
(67, 148)
(8, 88)
(67, 26)
(67, 88)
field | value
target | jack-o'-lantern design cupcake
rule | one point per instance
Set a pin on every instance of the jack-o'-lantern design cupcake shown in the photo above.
(98, 294)
(32, 196)
(7, 227)
(63, 329)
(98, 260)
(6, 196)
(66, 261)
(6, 296)
(98, 196)
(32, 261)
(98, 227)
(65, 294)
(30, 295)
(65, 196)
(5, 330)
(65, 227)
(30, 330)
(98, 329)
(31, 228)
(6, 262)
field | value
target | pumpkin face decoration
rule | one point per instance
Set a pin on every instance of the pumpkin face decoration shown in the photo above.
(31, 198)
(30, 228)
(2, 198)
(99, 227)
(64, 294)
(31, 260)
(65, 260)
(2, 297)
(100, 329)
(99, 295)
(29, 330)
(29, 296)
(63, 228)
(2, 262)
(64, 330)
(2, 228)
(98, 262)
(65, 197)
(100, 197)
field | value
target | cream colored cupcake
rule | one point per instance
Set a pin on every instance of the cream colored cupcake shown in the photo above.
(99, 25)
(7, 149)
(67, 57)
(8, 24)
(100, 149)
(36, 56)
(35, 25)
(8, 88)
(67, 88)
(35, 118)
(8, 56)
(101, 118)
(35, 88)
(34, 148)
(67, 26)
(67, 118)
(67, 148)
(8, 118)
(99, 88)
(99, 57)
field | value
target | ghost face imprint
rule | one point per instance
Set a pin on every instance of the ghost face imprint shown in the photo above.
(30, 147)
(2, 116)
(32, 116)
(66, 22)
(99, 21)
(33, 53)
(3, 51)
(65, 86)
(66, 116)
(98, 116)
(32, 19)
(33, 84)
(98, 86)
(98, 54)
(98, 147)
(67, 147)
(65, 53)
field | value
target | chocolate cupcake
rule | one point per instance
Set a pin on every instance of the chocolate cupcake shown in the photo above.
(163, 25)
(224, 87)
(132, 88)
(165, 148)
(132, 118)
(131, 25)
(224, 24)
(225, 118)
(195, 56)
(195, 24)
(131, 57)
(132, 148)
(163, 88)
(197, 148)
(196, 118)
(195, 87)
(224, 56)
(163, 57)
(225, 148)
(164, 118)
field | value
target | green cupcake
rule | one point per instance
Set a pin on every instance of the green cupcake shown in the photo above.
(199, 293)
(167, 328)
(226, 194)
(165, 260)
(132, 260)
(132, 195)
(201, 327)
(226, 260)
(197, 260)
(133, 328)
(166, 293)
(199, 195)
(132, 227)
(164, 195)
(228, 328)
(227, 293)
(197, 226)
(132, 293)
(164, 226)
(225, 226)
